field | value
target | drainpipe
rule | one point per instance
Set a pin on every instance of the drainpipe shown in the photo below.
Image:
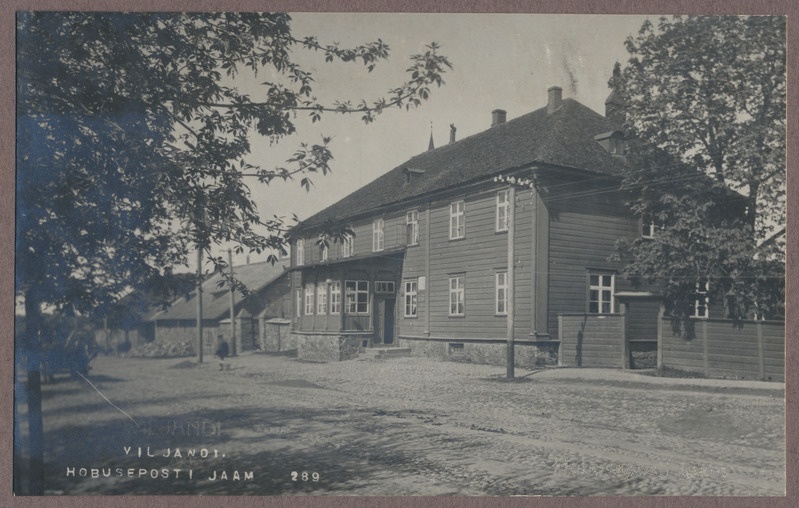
(232, 307)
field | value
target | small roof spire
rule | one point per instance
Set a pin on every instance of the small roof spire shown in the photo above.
(431, 145)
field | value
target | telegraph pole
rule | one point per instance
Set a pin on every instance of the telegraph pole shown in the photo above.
(200, 303)
(232, 305)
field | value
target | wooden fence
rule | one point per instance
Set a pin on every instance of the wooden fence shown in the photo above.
(724, 348)
(719, 348)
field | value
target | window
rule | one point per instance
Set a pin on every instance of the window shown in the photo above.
(298, 302)
(377, 236)
(410, 298)
(502, 293)
(384, 286)
(309, 299)
(412, 222)
(503, 209)
(323, 253)
(457, 220)
(600, 294)
(700, 309)
(321, 299)
(456, 296)
(347, 249)
(335, 297)
(648, 227)
(300, 251)
(357, 295)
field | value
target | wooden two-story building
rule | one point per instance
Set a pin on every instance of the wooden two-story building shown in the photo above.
(498, 234)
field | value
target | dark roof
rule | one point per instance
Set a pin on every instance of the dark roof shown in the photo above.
(563, 138)
(216, 299)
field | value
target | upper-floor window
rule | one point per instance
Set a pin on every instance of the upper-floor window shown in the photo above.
(600, 293)
(378, 239)
(335, 297)
(700, 308)
(501, 293)
(300, 246)
(503, 210)
(347, 247)
(456, 296)
(309, 290)
(412, 222)
(321, 299)
(323, 253)
(648, 227)
(411, 287)
(457, 220)
(357, 296)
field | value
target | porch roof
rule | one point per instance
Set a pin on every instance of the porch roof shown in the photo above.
(353, 259)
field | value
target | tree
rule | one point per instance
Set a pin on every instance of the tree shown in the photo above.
(704, 98)
(132, 148)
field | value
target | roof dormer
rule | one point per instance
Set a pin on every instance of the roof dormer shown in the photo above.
(613, 142)
(412, 174)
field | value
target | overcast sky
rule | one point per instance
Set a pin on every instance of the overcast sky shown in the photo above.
(504, 61)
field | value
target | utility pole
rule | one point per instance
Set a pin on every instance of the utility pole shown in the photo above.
(232, 306)
(200, 303)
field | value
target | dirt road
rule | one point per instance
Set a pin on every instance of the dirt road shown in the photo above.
(407, 426)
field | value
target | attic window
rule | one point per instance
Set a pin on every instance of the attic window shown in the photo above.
(613, 142)
(411, 174)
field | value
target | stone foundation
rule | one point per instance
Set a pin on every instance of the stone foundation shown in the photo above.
(326, 348)
(526, 355)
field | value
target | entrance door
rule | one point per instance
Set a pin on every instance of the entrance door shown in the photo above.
(384, 320)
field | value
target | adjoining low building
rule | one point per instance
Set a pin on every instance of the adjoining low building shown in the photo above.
(269, 298)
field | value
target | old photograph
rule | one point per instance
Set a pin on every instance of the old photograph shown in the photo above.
(399, 254)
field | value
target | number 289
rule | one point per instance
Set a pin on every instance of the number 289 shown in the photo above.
(304, 476)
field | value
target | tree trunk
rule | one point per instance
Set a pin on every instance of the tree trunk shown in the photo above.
(32, 345)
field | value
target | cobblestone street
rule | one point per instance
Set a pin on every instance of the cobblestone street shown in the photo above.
(408, 426)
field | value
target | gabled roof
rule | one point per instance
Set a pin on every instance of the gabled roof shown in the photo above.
(216, 299)
(563, 138)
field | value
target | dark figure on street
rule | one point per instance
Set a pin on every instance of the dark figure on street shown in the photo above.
(222, 351)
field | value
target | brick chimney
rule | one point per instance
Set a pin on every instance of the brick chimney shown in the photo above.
(554, 98)
(498, 117)
(452, 130)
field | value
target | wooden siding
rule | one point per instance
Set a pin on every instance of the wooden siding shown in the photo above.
(591, 340)
(582, 236)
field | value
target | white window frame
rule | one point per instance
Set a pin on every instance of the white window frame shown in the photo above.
(384, 286)
(501, 293)
(378, 235)
(457, 220)
(353, 289)
(347, 245)
(411, 298)
(321, 299)
(300, 247)
(601, 288)
(412, 227)
(335, 297)
(503, 210)
(701, 308)
(457, 296)
(648, 228)
(309, 299)
(298, 301)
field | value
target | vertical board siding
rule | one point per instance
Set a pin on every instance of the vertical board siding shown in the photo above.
(589, 340)
(642, 316)
(732, 349)
(581, 238)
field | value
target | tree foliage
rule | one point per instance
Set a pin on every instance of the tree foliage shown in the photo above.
(704, 99)
(133, 140)
(133, 144)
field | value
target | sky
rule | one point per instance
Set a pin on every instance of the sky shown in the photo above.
(500, 61)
